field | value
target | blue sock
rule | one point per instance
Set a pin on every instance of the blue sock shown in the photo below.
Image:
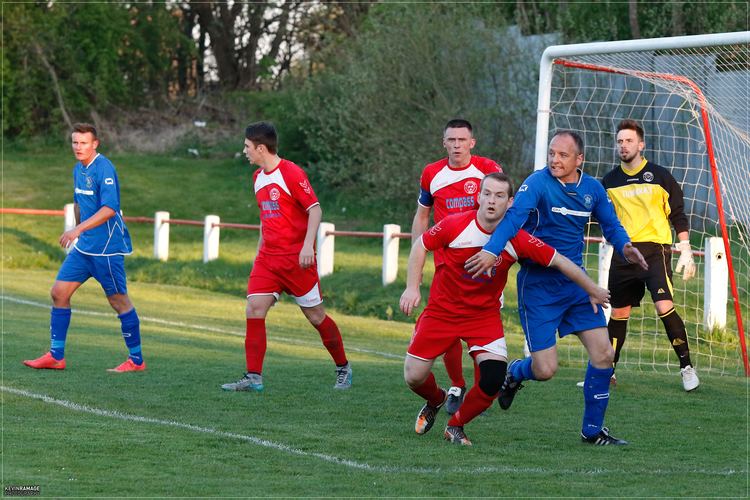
(596, 399)
(131, 332)
(58, 331)
(522, 370)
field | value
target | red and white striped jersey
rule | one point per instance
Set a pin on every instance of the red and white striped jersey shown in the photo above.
(454, 292)
(453, 190)
(284, 196)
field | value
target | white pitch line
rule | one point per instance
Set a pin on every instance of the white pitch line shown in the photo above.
(353, 464)
(179, 324)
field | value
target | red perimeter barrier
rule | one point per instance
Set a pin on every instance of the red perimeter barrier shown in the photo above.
(256, 227)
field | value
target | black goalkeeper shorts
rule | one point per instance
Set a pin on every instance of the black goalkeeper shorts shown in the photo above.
(628, 282)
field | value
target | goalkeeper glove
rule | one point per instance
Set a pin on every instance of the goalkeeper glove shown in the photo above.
(685, 263)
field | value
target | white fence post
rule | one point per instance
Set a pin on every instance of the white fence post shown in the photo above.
(715, 285)
(324, 247)
(605, 260)
(211, 238)
(161, 236)
(70, 221)
(390, 253)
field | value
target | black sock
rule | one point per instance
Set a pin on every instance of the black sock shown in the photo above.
(618, 328)
(677, 336)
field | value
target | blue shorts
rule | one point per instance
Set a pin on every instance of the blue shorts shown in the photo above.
(109, 271)
(549, 303)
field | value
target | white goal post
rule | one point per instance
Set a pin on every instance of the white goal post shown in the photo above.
(690, 94)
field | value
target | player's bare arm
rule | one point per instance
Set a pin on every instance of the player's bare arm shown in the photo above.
(307, 254)
(480, 263)
(420, 222)
(597, 294)
(411, 297)
(100, 217)
(633, 256)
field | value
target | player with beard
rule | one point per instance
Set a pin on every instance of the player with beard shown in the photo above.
(648, 199)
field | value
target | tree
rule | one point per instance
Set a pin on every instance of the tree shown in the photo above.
(249, 42)
(624, 20)
(65, 61)
(373, 116)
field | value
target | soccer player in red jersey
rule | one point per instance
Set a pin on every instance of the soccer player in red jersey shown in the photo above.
(290, 215)
(461, 307)
(451, 186)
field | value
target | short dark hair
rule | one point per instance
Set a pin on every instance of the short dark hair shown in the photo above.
(500, 177)
(573, 135)
(83, 128)
(263, 133)
(458, 123)
(629, 124)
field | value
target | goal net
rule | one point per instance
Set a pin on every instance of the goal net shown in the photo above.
(690, 94)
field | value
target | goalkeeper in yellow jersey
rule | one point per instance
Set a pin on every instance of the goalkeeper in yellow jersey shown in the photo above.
(647, 199)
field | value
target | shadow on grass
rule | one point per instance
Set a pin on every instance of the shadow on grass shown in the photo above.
(35, 244)
(355, 292)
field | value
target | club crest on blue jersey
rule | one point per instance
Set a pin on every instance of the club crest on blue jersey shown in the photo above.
(588, 201)
(89, 182)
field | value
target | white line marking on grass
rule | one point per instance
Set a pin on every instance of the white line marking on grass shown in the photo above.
(179, 324)
(343, 461)
(215, 432)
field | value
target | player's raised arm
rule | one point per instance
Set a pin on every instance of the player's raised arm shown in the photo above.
(411, 297)
(524, 201)
(597, 294)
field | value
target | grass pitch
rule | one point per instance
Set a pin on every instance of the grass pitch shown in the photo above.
(171, 431)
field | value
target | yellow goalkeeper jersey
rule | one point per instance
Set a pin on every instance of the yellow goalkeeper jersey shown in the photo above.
(647, 199)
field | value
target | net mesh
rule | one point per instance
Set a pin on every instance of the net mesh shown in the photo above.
(668, 91)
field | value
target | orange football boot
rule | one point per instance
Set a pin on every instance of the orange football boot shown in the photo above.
(46, 362)
(128, 366)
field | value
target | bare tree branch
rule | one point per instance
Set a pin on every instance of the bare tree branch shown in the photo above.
(55, 83)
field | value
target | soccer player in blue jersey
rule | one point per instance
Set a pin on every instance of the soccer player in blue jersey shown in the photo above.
(555, 204)
(100, 241)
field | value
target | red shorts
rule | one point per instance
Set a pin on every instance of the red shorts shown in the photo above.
(273, 274)
(433, 336)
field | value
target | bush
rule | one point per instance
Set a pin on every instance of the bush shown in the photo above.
(374, 116)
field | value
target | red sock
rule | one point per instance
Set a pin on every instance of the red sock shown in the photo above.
(331, 337)
(255, 344)
(475, 402)
(452, 359)
(430, 391)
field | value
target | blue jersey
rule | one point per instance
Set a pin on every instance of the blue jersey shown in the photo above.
(96, 186)
(557, 213)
